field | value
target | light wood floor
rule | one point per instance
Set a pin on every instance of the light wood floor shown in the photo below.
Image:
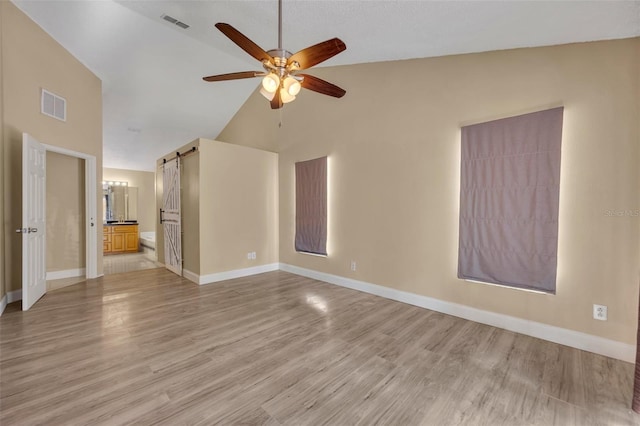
(128, 262)
(148, 347)
(113, 264)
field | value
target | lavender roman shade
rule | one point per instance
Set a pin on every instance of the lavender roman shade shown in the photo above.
(311, 206)
(509, 196)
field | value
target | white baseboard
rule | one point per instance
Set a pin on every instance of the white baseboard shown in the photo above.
(191, 276)
(10, 297)
(228, 275)
(563, 336)
(69, 273)
(14, 296)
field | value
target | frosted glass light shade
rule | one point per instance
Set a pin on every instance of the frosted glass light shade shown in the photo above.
(271, 82)
(292, 86)
(266, 94)
(286, 97)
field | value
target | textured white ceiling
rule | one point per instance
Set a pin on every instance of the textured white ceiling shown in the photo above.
(154, 96)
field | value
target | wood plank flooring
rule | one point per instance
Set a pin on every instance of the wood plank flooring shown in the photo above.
(127, 262)
(148, 347)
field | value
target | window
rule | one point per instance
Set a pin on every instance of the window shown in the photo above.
(509, 197)
(311, 206)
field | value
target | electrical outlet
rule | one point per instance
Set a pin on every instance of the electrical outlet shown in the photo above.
(353, 265)
(249, 256)
(253, 255)
(600, 312)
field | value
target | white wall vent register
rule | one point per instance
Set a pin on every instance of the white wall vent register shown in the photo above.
(53, 105)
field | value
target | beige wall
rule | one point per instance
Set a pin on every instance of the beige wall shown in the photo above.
(145, 182)
(229, 207)
(238, 207)
(262, 134)
(32, 60)
(394, 162)
(190, 211)
(65, 213)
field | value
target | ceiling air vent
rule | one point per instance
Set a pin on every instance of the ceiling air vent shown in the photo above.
(175, 21)
(53, 105)
(169, 18)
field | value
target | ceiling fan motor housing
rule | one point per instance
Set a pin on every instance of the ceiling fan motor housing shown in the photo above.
(280, 59)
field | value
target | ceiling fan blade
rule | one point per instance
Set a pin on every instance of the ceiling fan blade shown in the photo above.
(306, 58)
(243, 41)
(276, 101)
(233, 76)
(319, 85)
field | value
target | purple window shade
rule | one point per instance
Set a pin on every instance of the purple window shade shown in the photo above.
(311, 206)
(509, 197)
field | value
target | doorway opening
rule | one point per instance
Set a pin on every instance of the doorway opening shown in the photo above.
(128, 220)
(34, 186)
(85, 185)
(65, 219)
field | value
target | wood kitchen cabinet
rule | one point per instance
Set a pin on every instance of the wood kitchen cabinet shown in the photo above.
(120, 238)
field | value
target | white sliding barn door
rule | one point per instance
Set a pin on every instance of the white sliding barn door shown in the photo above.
(170, 216)
(34, 284)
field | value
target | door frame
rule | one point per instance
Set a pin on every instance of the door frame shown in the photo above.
(90, 193)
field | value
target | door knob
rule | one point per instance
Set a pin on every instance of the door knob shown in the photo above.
(33, 230)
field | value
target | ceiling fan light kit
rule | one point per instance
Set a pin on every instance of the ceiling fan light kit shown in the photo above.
(270, 82)
(281, 82)
(291, 86)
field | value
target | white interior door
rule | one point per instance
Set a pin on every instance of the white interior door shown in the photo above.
(170, 216)
(34, 284)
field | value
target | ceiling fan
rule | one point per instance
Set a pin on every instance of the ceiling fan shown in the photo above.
(281, 78)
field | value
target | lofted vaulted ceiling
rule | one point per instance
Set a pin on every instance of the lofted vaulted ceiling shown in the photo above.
(154, 99)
